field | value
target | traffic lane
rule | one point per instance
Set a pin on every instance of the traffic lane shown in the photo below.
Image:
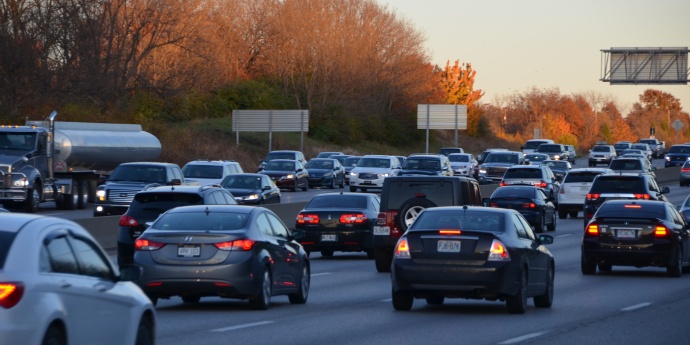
(350, 303)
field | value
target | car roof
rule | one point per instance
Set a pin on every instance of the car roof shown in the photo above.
(211, 162)
(215, 208)
(151, 163)
(181, 189)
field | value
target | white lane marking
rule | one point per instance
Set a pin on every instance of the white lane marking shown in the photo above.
(387, 300)
(320, 274)
(246, 325)
(636, 306)
(564, 235)
(523, 338)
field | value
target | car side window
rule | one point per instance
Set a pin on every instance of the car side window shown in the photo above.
(278, 227)
(91, 261)
(652, 185)
(61, 257)
(519, 227)
(264, 225)
(676, 216)
(528, 228)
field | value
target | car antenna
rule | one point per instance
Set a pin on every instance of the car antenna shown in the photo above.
(207, 211)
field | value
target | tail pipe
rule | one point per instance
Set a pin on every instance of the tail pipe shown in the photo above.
(51, 143)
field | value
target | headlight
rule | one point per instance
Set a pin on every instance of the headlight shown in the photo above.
(252, 197)
(100, 193)
(327, 174)
(384, 175)
(288, 176)
(557, 157)
(669, 158)
(353, 174)
(22, 182)
(482, 171)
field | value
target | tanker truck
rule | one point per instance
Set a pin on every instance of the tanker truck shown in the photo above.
(62, 162)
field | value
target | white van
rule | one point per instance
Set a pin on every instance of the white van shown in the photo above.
(532, 145)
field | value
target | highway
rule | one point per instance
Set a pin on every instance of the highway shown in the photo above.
(350, 303)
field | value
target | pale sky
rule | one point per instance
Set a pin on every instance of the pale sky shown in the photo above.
(515, 45)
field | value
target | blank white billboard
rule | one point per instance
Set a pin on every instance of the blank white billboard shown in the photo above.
(270, 120)
(441, 116)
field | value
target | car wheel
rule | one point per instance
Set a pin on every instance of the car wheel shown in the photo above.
(562, 214)
(539, 227)
(586, 267)
(518, 303)
(263, 298)
(552, 226)
(436, 300)
(327, 253)
(353, 189)
(294, 188)
(383, 260)
(342, 183)
(191, 299)
(145, 333)
(546, 300)
(306, 186)
(573, 214)
(410, 209)
(303, 290)
(402, 301)
(54, 336)
(675, 268)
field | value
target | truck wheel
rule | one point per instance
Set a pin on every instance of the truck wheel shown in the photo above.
(83, 194)
(33, 200)
(70, 201)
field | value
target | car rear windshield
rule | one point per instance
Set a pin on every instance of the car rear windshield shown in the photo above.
(459, 219)
(438, 192)
(415, 163)
(621, 146)
(201, 221)
(549, 148)
(514, 192)
(625, 164)
(581, 176)
(522, 173)
(632, 211)
(150, 205)
(618, 184)
(202, 171)
(679, 149)
(643, 147)
(6, 239)
(338, 201)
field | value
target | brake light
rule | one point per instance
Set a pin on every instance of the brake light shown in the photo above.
(402, 250)
(493, 204)
(449, 232)
(541, 184)
(529, 205)
(353, 218)
(593, 230)
(642, 196)
(242, 245)
(502, 184)
(388, 219)
(593, 196)
(685, 170)
(143, 244)
(307, 219)
(632, 206)
(498, 252)
(126, 220)
(10, 294)
(660, 231)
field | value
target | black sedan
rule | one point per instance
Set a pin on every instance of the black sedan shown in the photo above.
(287, 173)
(325, 172)
(338, 222)
(474, 253)
(530, 201)
(251, 189)
(636, 233)
(231, 251)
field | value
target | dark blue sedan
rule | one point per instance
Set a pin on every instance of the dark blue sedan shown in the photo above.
(325, 172)
(530, 201)
(252, 189)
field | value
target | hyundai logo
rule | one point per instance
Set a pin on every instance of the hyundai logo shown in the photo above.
(188, 239)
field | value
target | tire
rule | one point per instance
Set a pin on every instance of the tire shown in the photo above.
(70, 201)
(263, 298)
(83, 192)
(306, 186)
(342, 182)
(518, 304)
(587, 268)
(552, 226)
(145, 333)
(294, 188)
(562, 214)
(191, 299)
(383, 260)
(436, 300)
(410, 209)
(675, 268)
(54, 336)
(300, 297)
(573, 214)
(327, 253)
(353, 189)
(546, 300)
(402, 301)
(539, 227)
(332, 186)
(33, 200)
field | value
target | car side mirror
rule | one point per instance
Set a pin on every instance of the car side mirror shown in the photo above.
(545, 239)
(665, 190)
(266, 188)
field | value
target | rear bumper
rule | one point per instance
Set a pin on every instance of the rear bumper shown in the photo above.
(658, 254)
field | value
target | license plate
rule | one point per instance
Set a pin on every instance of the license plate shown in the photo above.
(625, 233)
(328, 238)
(366, 182)
(584, 188)
(188, 251)
(382, 230)
(444, 246)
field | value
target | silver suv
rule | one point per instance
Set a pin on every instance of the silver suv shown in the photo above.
(540, 176)
(206, 172)
(601, 154)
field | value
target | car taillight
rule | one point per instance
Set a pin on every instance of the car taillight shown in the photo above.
(642, 196)
(126, 220)
(353, 218)
(592, 230)
(593, 196)
(10, 294)
(685, 170)
(541, 184)
(502, 184)
(243, 245)
(402, 250)
(143, 244)
(498, 252)
(660, 231)
(529, 205)
(449, 232)
(388, 219)
(493, 204)
(308, 219)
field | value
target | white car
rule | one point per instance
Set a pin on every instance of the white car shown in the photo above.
(574, 189)
(463, 164)
(206, 172)
(371, 170)
(57, 286)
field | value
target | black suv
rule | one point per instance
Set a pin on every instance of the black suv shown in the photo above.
(404, 197)
(555, 151)
(148, 205)
(621, 186)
